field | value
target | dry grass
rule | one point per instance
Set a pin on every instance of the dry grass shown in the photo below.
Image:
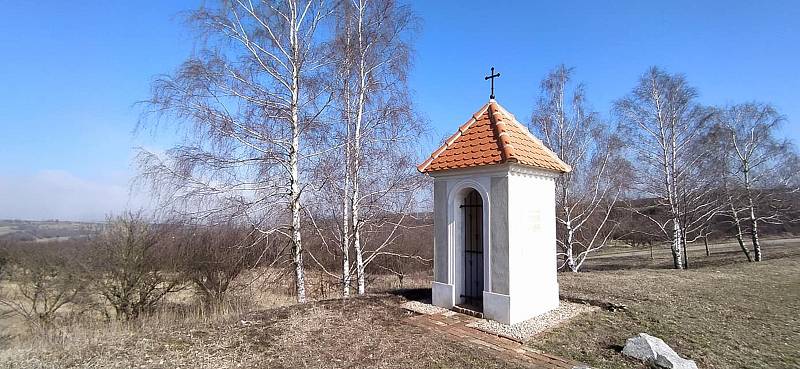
(724, 316)
(266, 331)
(364, 332)
(732, 316)
(255, 291)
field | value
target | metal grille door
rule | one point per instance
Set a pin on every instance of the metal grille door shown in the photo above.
(473, 245)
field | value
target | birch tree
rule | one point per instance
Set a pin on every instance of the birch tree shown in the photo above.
(757, 165)
(373, 57)
(731, 210)
(663, 125)
(698, 201)
(585, 197)
(248, 105)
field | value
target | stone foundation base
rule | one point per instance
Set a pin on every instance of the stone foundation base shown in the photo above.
(443, 295)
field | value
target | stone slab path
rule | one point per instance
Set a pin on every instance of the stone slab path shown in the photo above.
(453, 325)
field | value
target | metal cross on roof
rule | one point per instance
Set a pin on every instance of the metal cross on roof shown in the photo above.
(492, 77)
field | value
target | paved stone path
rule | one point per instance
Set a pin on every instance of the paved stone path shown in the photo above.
(453, 325)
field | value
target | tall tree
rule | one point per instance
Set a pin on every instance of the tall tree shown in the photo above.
(758, 163)
(663, 124)
(698, 200)
(372, 62)
(585, 197)
(722, 174)
(249, 105)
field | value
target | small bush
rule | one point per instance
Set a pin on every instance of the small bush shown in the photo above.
(44, 278)
(131, 267)
(211, 258)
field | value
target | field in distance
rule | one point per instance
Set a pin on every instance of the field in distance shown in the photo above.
(43, 231)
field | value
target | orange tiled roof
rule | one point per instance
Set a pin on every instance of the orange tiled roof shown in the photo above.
(492, 136)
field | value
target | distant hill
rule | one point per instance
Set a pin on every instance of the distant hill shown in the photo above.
(43, 231)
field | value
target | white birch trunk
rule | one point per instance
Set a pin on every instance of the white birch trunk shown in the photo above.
(346, 229)
(360, 267)
(738, 223)
(752, 216)
(356, 195)
(245, 107)
(346, 224)
(677, 234)
(677, 258)
(297, 244)
(754, 233)
(761, 159)
(346, 199)
(372, 43)
(568, 249)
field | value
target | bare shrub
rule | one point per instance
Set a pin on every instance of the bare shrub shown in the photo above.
(395, 266)
(43, 280)
(212, 258)
(410, 253)
(130, 265)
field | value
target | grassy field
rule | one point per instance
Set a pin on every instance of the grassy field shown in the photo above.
(742, 315)
(725, 313)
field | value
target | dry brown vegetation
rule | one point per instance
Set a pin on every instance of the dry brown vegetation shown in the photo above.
(340, 333)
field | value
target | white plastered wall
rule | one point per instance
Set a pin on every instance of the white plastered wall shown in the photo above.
(532, 284)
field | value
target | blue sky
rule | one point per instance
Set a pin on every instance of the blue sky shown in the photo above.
(70, 73)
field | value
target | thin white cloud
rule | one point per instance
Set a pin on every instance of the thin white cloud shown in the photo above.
(56, 194)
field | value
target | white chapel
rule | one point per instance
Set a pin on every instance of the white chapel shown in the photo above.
(494, 218)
